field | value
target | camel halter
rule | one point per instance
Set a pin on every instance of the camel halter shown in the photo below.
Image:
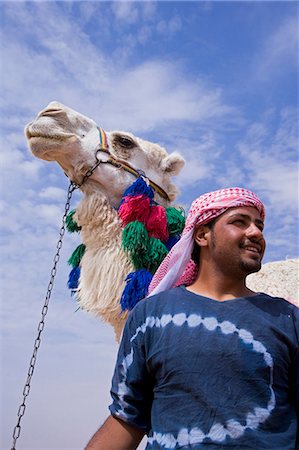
(104, 147)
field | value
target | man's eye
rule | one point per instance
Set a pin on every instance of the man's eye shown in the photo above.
(239, 221)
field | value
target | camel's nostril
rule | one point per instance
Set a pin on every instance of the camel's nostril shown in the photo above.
(52, 109)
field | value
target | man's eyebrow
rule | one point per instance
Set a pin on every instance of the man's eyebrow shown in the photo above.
(246, 216)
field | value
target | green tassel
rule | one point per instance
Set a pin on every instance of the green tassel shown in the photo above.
(139, 260)
(175, 220)
(70, 224)
(135, 238)
(77, 255)
(155, 254)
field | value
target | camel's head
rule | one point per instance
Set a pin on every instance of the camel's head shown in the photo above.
(61, 134)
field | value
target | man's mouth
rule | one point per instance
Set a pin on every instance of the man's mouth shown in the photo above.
(256, 249)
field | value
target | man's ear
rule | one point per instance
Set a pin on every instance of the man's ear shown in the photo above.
(200, 235)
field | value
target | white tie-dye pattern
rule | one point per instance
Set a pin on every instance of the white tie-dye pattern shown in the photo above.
(196, 436)
(227, 327)
(218, 432)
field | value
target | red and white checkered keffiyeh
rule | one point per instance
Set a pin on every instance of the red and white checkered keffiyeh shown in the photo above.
(178, 268)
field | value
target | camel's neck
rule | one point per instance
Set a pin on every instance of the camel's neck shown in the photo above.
(99, 221)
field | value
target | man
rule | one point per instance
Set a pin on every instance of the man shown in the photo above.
(208, 364)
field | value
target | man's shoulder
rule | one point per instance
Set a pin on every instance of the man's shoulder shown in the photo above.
(275, 306)
(278, 300)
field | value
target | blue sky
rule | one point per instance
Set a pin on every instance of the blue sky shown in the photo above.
(217, 81)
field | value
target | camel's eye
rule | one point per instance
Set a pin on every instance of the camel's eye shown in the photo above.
(125, 142)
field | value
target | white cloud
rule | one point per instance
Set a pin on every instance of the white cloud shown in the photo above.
(279, 49)
(125, 11)
(52, 193)
(144, 34)
(164, 94)
(285, 140)
(278, 181)
(88, 10)
(270, 157)
(66, 58)
(270, 166)
(201, 157)
(148, 10)
(49, 214)
(169, 27)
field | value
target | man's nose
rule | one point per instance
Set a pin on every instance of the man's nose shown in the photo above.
(253, 231)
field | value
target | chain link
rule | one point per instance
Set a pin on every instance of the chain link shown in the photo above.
(72, 187)
(21, 411)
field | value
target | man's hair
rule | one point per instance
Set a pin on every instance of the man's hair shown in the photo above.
(196, 249)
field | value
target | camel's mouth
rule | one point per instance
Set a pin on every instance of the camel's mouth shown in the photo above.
(31, 133)
(54, 137)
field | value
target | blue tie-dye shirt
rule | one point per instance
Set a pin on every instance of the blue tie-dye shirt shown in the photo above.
(195, 373)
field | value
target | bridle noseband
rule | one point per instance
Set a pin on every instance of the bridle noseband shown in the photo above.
(104, 147)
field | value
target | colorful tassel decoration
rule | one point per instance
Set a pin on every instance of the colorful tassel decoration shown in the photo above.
(139, 259)
(175, 220)
(137, 284)
(156, 224)
(77, 255)
(134, 237)
(70, 224)
(74, 276)
(134, 208)
(172, 241)
(149, 232)
(139, 187)
(155, 254)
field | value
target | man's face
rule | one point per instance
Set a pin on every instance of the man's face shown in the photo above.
(236, 241)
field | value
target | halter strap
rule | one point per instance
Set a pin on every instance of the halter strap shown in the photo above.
(104, 147)
(103, 139)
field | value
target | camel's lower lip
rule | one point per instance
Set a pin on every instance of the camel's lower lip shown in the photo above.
(34, 137)
(33, 132)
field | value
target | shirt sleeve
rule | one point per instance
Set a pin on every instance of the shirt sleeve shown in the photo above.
(132, 388)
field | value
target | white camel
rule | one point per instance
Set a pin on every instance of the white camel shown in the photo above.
(61, 134)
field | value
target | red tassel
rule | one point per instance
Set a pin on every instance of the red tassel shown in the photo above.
(156, 224)
(134, 208)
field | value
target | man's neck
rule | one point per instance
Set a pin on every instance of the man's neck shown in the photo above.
(218, 286)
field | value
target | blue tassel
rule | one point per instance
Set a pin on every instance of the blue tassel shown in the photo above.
(136, 288)
(172, 241)
(139, 187)
(74, 276)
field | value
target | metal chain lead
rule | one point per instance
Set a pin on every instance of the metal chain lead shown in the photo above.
(26, 390)
(21, 411)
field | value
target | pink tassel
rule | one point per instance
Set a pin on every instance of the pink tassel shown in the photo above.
(189, 274)
(134, 208)
(156, 224)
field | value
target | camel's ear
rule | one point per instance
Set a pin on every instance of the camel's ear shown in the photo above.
(173, 163)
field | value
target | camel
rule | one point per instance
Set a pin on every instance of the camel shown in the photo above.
(61, 134)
